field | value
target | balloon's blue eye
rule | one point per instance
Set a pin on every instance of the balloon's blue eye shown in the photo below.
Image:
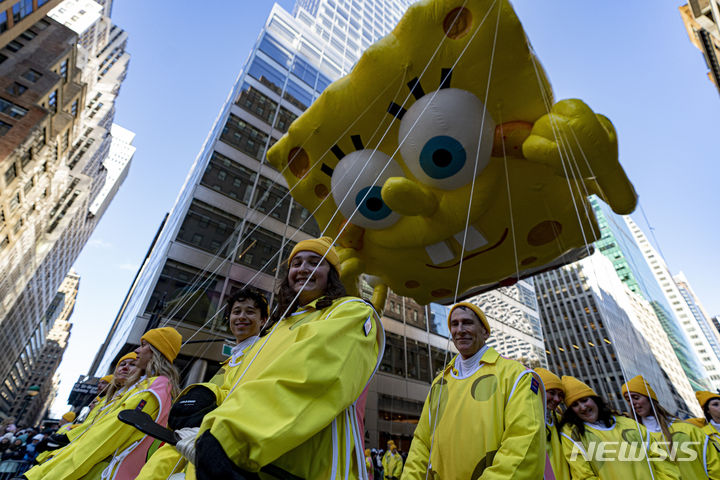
(442, 157)
(370, 203)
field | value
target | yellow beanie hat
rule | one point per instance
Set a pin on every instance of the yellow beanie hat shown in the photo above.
(107, 379)
(127, 356)
(549, 379)
(69, 417)
(166, 340)
(575, 390)
(321, 246)
(704, 396)
(475, 309)
(367, 452)
(639, 385)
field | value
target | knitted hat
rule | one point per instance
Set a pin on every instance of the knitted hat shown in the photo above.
(575, 390)
(367, 452)
(639, 385)
(166, 340)
(321, 246)
(127, 356)
(704, 396)
(69, 417)
(549, 379)
(697, 421)
(107, 378)
(474, 308)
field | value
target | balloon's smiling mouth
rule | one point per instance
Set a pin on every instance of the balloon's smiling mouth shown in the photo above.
(474, 238)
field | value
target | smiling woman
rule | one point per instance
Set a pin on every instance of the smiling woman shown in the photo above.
(297, 396)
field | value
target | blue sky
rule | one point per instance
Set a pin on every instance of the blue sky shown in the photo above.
(631, 61)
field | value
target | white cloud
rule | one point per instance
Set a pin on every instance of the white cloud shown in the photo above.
(99, 243)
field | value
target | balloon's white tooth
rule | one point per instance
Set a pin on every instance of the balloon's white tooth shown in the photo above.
(440, 252)
(473, 240)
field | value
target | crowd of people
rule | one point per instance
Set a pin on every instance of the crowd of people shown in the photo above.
(289, 403)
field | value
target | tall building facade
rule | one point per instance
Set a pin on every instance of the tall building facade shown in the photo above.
(55, 139)
(701, 339)
(52, 339)
(600, 331)
(617, 243)
(700, 19)
(234, 215)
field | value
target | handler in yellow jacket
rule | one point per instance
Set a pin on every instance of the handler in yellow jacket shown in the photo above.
(484, 415)
(246, 313)
(601, 446)
(294, 405)
(686, 444)
(110, 449)
(710, 425)
(554, 395)
(392, 462)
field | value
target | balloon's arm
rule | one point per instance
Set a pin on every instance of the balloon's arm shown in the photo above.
(379, 297)
(576, 142)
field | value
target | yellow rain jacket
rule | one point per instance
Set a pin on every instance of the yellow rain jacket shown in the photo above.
(392, 465)
(109, 447)
(489, 425)
(167, 460)
(620, 452)
(712, 433)
(690, 442)
(293, 404)
(558, 462)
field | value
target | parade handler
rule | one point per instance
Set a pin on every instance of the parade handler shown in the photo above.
(484, 415)
(294, 406)
(246, 313)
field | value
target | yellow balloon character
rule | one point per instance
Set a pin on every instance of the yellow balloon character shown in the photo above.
(447, 121)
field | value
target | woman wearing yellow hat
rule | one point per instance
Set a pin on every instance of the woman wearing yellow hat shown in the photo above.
(109, 448)
(710, 403)
(601, 445)
(554, 396)
(293, 407)
(392, 462)
(685, 444)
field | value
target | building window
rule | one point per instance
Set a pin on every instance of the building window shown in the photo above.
(17, 226)
(9, 108)
(244, 137)
(21, 10)
(32, 75)
(4, 243)
(3, 21)
(66, 140)
(28, 35)
(64, 69)
(52, 101)
(10, 174)
(4, 128)
(207, 227)
(2, 218)
(28, 186)
(14, 201)
(14, 45)
(74, 108)
(253, 101)
(16, 89)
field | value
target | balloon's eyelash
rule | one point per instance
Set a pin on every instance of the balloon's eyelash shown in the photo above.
(417, 91)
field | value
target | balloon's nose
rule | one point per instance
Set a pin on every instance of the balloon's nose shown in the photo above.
(408, 198)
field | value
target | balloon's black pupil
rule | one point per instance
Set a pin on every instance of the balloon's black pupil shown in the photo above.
(442, 157)
(374, 204)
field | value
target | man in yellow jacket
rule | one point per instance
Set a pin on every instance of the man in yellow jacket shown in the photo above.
(293, 408)
(484, 416)
(392, 462)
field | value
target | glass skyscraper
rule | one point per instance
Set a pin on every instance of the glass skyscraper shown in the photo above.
(618, 245)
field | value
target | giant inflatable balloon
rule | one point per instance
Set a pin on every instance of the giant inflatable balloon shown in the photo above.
(445, 134)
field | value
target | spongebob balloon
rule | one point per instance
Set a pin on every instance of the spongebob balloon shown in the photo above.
(441, 164)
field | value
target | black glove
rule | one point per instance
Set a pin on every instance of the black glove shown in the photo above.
(57, 440)
(213, 463)
(190, 408)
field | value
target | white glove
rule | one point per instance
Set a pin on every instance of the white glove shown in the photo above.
(186, 444)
